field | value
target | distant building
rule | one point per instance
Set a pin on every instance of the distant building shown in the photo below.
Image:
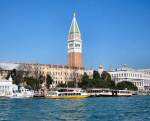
(139, 77)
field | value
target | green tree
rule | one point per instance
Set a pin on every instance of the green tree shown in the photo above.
(49, 81)
(96, 75)
(84, 83)
(35, 84)
(126, 85)
(108, 82)
(17, 76)
(100, 83)
(106, 76)
(85, 77)
(96, 82)
(71, 84)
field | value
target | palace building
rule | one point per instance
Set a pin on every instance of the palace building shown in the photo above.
(139, 77)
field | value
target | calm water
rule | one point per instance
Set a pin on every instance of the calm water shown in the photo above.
(135, 108)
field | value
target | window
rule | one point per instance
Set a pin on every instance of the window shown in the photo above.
(77, 45)
(70, 45)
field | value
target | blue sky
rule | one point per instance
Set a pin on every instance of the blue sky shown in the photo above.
(114, 32)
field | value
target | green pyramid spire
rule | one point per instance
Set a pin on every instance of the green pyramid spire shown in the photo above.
(74, 26)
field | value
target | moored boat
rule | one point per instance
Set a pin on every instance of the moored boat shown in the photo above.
(67, 93)
(22, 93)
(108, 92)
(124, 93)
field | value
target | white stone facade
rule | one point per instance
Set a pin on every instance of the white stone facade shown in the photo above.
(6, 87)
(140, 78)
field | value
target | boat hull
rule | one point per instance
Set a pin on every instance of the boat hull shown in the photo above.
(68, 97)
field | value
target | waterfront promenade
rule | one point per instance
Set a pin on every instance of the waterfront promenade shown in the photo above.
(134, 108)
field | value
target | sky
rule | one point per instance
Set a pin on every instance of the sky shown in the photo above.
(114, 32)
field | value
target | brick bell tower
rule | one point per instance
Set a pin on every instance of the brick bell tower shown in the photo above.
(74, 45)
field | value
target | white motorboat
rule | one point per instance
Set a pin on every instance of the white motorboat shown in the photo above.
(22, 93)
